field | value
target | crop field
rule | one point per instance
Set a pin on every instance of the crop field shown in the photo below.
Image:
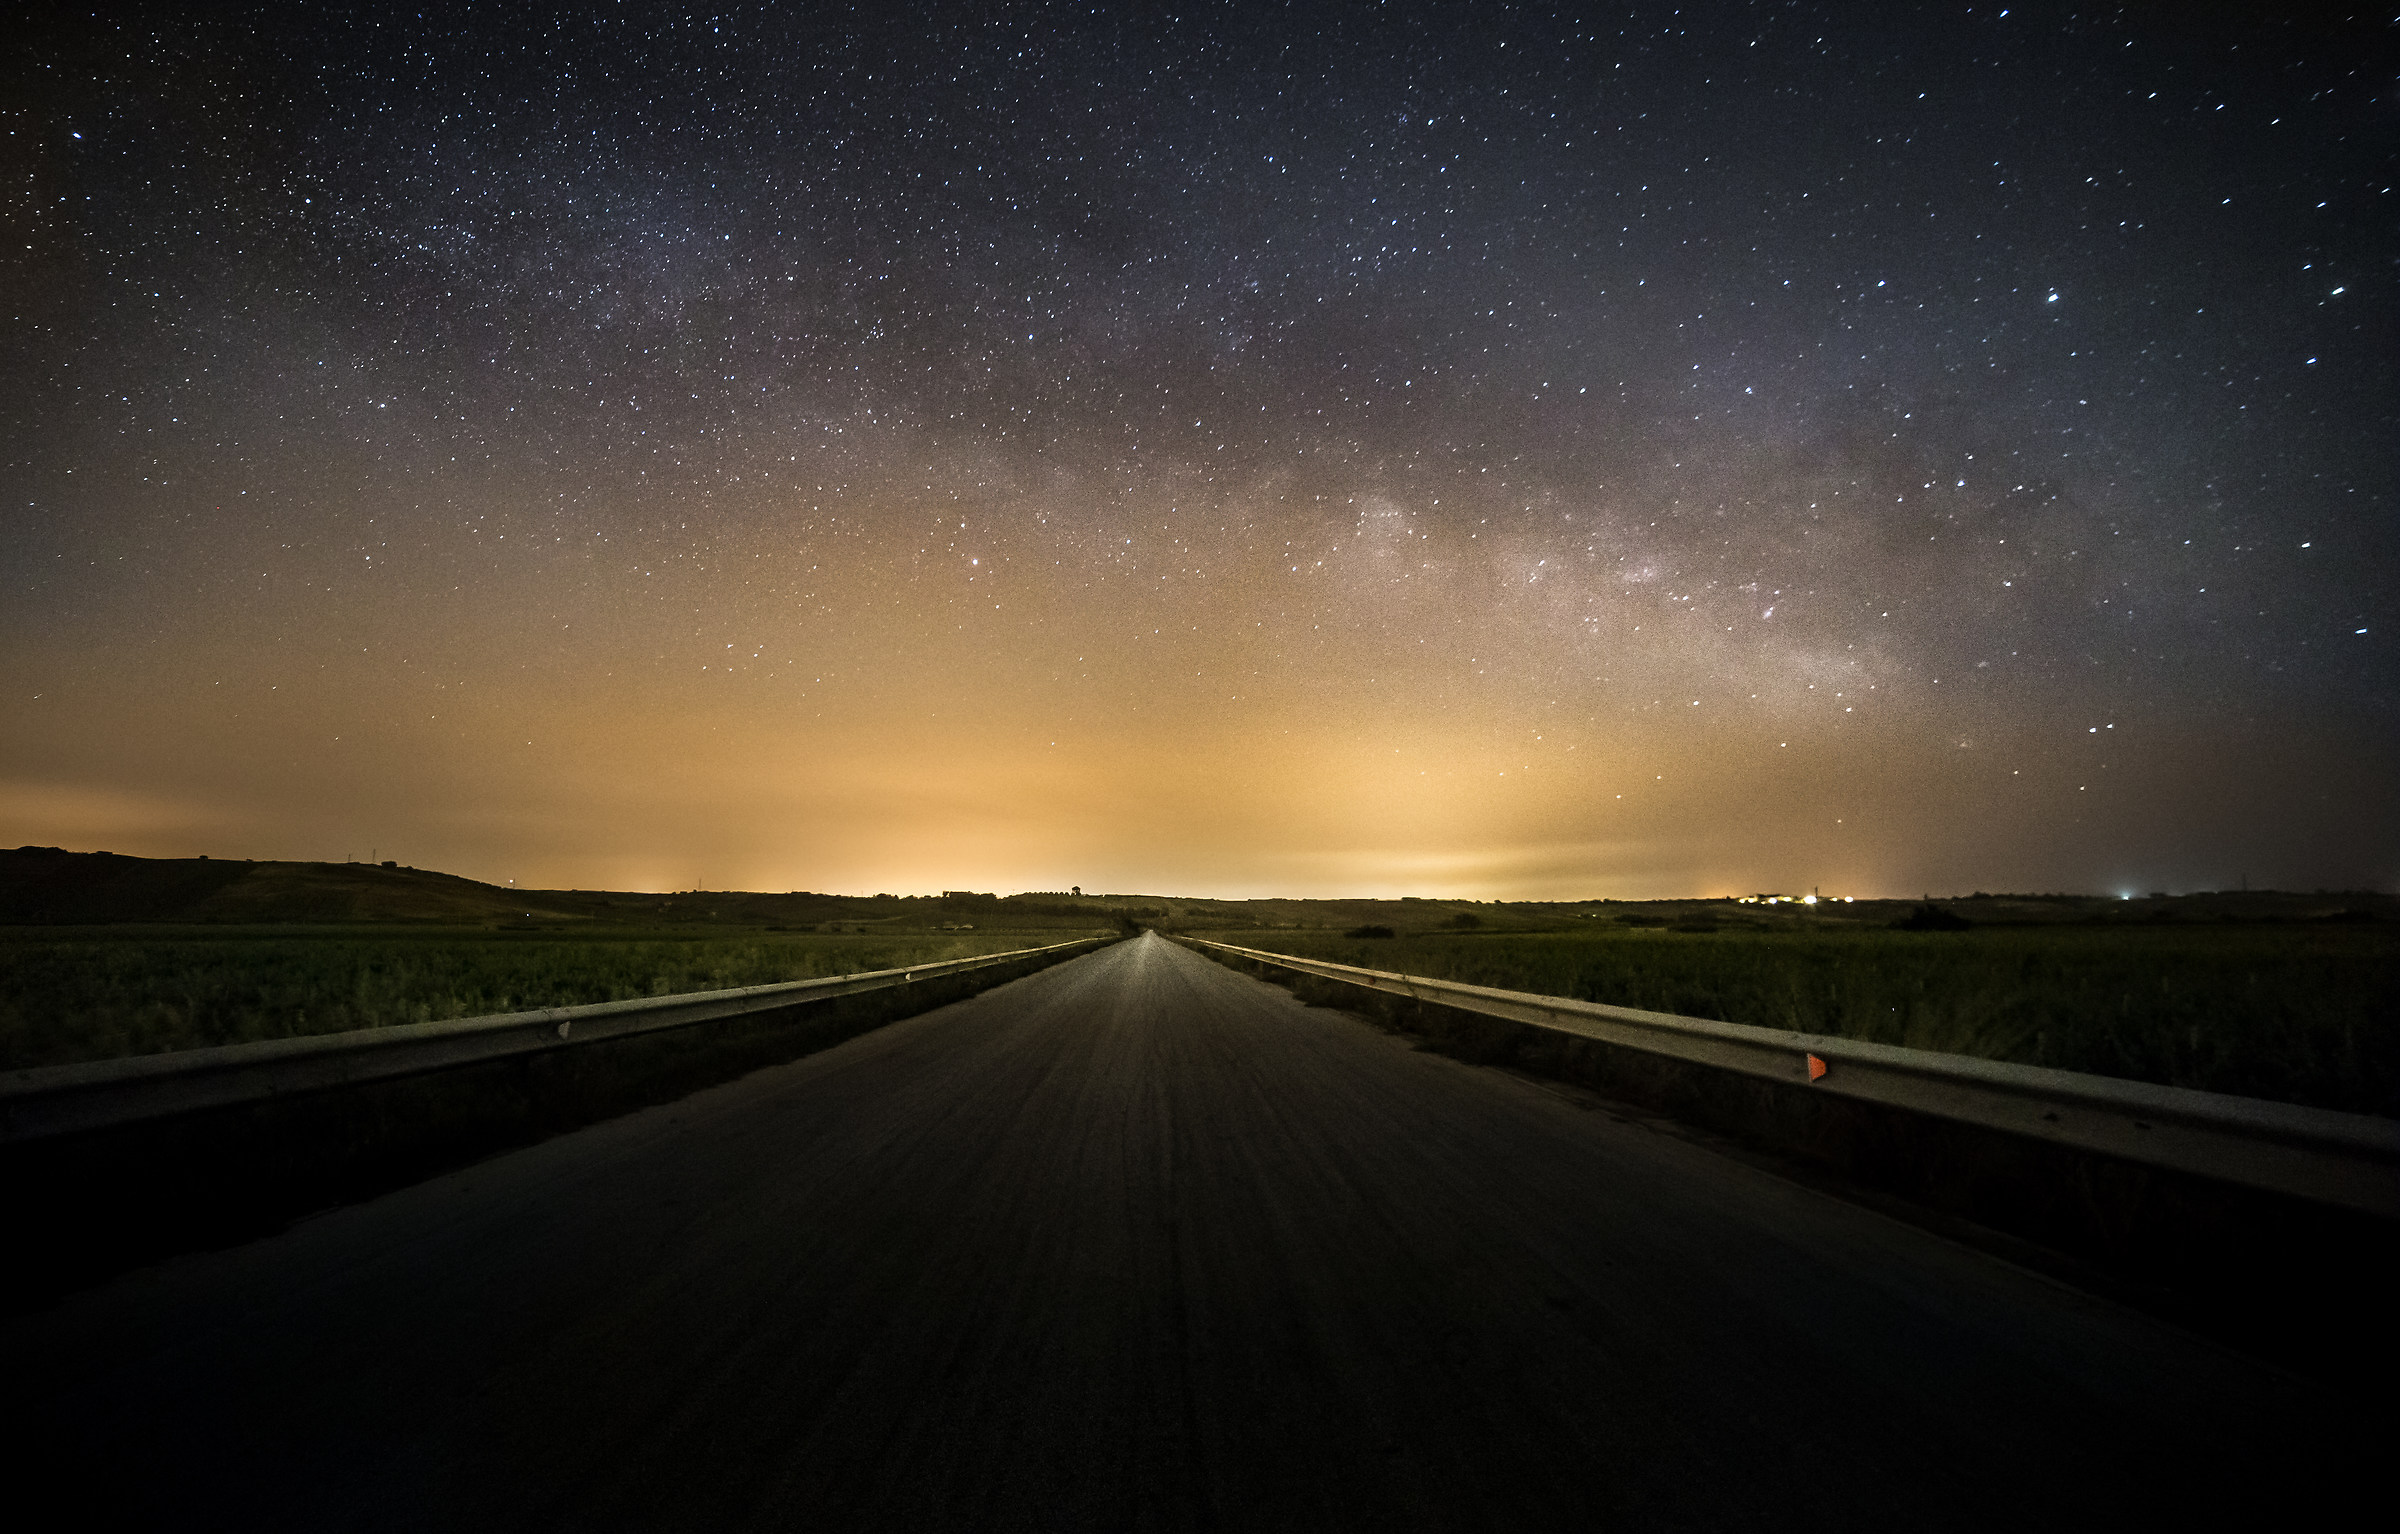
(97, 993)
(2300, 1012)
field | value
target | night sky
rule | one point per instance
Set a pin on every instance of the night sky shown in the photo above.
(1475, 450)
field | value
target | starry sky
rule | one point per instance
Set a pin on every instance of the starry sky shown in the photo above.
(1477, 450)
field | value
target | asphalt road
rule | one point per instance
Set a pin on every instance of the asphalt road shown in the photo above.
(1134, 1243)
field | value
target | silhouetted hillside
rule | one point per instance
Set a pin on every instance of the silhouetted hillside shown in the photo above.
(44, 886)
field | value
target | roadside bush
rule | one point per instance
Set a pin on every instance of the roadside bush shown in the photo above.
(92, 997)
(2302, 1012)
(1932, 918)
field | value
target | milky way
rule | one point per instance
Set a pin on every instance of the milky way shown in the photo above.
(1277, 450)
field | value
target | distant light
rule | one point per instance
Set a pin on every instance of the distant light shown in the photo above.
(2053, 298)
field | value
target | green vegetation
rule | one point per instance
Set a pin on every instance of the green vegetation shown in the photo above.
(2301, 1012)
(83, 994)
(2264, 993)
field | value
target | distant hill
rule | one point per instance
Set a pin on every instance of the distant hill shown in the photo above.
(50, 887)
(44, 886)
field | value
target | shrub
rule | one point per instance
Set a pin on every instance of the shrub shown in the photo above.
(66, 998)
(2306, 1012)
(1932, 918)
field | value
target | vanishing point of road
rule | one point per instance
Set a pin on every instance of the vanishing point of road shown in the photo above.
(1134, 1243)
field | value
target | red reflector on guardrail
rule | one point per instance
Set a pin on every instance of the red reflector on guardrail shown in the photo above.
(1816, 1068)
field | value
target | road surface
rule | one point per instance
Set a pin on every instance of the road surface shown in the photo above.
(1133, 1243)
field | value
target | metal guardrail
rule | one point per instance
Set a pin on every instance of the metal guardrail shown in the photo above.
(96, 1094)
(2349, 1160)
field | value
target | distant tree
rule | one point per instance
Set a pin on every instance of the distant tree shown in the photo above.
(1370, 931)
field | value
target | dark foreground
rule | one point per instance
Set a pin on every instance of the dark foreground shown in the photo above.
(1134, 1243)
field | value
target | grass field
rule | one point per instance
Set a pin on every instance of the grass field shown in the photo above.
(87, 994)
(2306, 1013)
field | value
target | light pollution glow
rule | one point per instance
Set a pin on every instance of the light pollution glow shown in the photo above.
(1309, 509)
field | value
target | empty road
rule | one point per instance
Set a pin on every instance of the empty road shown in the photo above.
(1134, 1243)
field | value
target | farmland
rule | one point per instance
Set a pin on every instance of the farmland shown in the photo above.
(2305, 1012)
(2264, 994)
(71, 994)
